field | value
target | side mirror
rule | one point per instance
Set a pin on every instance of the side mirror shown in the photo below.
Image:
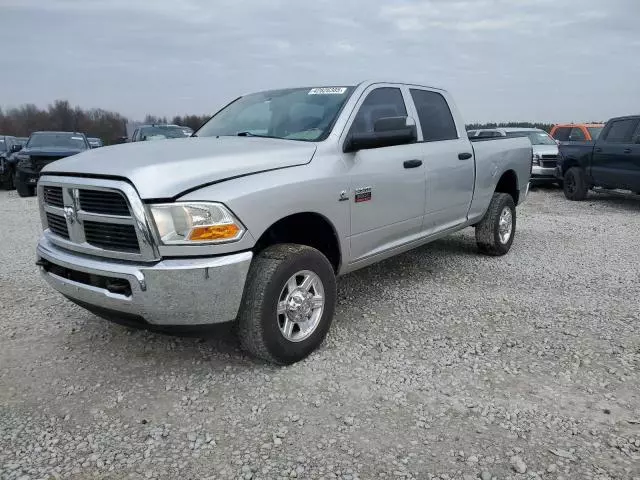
(387, 132)
(16, 148)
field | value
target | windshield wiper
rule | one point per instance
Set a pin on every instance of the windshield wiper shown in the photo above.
(247, 134)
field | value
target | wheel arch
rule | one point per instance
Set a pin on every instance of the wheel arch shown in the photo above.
(305, 228)
(508, 183)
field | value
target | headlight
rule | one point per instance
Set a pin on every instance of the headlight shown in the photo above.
(23, 160)
(198, 222)
(536, 159)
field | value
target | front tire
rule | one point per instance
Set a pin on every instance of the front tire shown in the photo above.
(23, 190)
(575, 184)
(288, 303)
(495, 232)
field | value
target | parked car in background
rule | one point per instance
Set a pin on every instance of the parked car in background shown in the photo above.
(545, 150)
(94, 142)
(612, 162)
(484, 133)
(41, 149)
(158, 132)
(188, 131)
(274, 196)
(577, 132)
(9, 145)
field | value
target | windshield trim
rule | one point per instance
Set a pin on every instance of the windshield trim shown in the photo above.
(326, 134)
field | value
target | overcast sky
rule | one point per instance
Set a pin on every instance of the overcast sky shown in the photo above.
(543, 60)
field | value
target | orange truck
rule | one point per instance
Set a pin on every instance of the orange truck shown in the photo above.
(576, 132)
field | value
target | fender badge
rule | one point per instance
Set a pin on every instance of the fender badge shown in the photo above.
(363, 194)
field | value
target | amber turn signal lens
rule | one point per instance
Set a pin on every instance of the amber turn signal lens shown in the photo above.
(214, 232)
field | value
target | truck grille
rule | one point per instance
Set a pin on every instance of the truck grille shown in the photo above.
(39, 162)
(53, 196)
(111, 236)
(96, 217)
(549, 160)
(103, 202)
(58, 225)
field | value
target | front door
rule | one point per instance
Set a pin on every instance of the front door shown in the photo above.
(387, 184)
(612, 164)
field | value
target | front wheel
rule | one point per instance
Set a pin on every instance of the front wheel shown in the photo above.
(575, 184)
(23, 190)
(495, 232)
(288, 303)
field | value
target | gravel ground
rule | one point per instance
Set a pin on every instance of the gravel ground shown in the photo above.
(440, 364)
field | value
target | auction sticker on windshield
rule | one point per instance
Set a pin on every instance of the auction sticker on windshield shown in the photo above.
(328, 91)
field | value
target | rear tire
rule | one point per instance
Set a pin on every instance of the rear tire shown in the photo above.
(495, 232)
(575, 184)
(288, 303)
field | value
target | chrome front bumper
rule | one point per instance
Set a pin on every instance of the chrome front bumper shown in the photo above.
(538, 172)
(188, 291)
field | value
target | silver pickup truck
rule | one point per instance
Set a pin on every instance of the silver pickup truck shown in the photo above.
(276, 195)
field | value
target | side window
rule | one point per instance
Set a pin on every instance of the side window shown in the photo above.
(636, 135)
(380, 103)
(621, 131)
(435, 116)
(576, 135)
(562, 133)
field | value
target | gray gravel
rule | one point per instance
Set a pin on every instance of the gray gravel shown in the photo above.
(440, 364)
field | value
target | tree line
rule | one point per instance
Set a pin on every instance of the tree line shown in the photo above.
(111, 127)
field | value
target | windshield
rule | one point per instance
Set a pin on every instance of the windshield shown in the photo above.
(306, 114)
(595, 132)
(536, 137)
(160, 132)
(57, 140)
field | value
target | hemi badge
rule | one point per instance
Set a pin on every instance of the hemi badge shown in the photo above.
(363, 194)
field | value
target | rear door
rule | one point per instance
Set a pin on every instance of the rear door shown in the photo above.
(634, 177)
(448, 159)
(612, 163)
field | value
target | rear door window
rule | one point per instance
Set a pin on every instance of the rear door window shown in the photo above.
(621, 131)
(636, 135)
(562, 133)
(435, 116)
(576, 135)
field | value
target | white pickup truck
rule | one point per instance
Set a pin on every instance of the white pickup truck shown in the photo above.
(276, 195)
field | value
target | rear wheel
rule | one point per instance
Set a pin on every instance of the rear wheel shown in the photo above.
(575, 184)
(288, 303)
(495, 232)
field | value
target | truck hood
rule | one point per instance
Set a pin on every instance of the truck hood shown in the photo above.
(50, 151)
(545, 149)
(165, 169)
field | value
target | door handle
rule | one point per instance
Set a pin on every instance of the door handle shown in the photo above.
(597, 150)
(627, 150)
(412, 163)
(464, 156)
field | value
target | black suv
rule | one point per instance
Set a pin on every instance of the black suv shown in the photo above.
(42, 149)
(9, 145)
